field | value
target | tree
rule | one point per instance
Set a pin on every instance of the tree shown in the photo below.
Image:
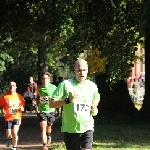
(115, 29)
(112, 29)
(42, 26)
(145, 111)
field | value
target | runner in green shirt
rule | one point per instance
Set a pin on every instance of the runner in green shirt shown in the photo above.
(79, 98)
(46, 115)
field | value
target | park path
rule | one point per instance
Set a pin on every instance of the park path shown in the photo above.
(29, 133)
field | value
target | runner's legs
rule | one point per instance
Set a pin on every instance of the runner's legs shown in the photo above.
(48, 133)
(8, 133)
(43, 125)
(9, 125)
(15, 130)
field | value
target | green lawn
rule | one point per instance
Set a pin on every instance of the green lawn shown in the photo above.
(122, 136)
(118, 136)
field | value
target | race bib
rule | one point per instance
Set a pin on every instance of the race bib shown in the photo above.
(44, 100)
(13, 111)
(81, 107)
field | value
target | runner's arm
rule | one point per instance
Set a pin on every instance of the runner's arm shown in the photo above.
(96, 98)
(95, 103)
(56, 103)
(61, 97)
(2, 105)
(2, 110)
(37, 101)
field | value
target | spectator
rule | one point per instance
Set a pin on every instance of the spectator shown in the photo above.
(30, 96)
(32, 86)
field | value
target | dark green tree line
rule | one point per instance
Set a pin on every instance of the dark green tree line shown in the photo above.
(34, 33)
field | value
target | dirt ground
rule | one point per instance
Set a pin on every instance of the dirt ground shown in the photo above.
(29, 133)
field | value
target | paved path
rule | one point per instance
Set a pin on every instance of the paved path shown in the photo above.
(29, 133)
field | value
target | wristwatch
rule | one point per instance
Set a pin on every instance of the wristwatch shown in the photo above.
(67, 100)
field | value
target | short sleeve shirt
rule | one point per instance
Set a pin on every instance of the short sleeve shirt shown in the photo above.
(12, 105)
(44, 94)
(77, 116)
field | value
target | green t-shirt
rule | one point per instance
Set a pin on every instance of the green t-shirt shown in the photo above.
(43, 94)
(77, 116)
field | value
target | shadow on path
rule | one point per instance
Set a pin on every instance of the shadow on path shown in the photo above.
(29, 133)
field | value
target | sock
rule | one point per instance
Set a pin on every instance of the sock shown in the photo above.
(49, 137)
(48, 134)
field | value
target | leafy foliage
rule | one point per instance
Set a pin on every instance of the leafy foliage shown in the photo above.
(114, 27)
(37, 33)
(95, 63)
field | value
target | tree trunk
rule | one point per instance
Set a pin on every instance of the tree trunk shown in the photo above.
(145, 111)
(42, 49)
(115, 104)
(42, 62)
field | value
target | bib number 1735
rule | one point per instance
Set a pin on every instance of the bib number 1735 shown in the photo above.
(81, 108)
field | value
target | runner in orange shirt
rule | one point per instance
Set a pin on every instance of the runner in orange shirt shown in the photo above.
(13, 105)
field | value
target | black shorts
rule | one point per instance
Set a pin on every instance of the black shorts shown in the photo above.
(9, 124)
(77, 141)
(49, 117)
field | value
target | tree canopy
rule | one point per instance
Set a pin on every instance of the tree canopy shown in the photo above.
(35, 33)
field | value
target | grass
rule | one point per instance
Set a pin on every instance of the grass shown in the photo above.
(116, 136)
(121, 136)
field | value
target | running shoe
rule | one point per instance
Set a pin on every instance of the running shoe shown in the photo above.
(9, 142)
(14, 148)
(48, 139)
